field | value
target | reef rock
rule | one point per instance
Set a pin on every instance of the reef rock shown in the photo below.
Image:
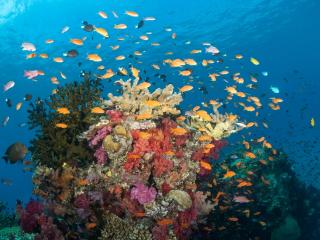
(288, 230)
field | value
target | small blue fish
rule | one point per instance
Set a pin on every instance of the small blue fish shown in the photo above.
(265, 74)
(274, 89)
(5, 121)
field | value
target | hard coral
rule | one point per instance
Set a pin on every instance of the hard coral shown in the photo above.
(133, 100)
(54, 146)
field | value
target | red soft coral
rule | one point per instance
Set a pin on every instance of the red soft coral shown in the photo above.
(115, 116)
(218, 145)
(161, 166)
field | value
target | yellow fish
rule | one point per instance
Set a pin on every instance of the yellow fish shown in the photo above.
(254, 61)
(312, 122)
(135, 72)
(102, 32)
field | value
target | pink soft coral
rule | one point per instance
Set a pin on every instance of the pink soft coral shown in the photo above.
(101, 155)
(100, 135)
(143, 193)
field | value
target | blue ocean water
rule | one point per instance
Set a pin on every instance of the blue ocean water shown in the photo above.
(284, 35)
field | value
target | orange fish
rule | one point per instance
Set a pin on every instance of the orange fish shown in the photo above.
(165, 222)
(195, 51)
(120, 26)
(250, 155)
(94, 57)
(58, 59)
(120, 58)
(61, 125)
(132, 13)
(178, 131)
(244, 184)
(231, 90)
(76, 41)
(63, 110)
(204, 115)
(185, 73)
(109, 74)
(229, 174)
(181, 118)
(205, 165)
(249, 108)
(54, 80)
(190, 62)
(177, 63)
(97, 110)
(233, 219)
(83, 182)
(18, 106)
(205, 138)
(144, 37)
(103, 14)
(139, 214)
(90, 226)
(144, 116)
(43, 55)
(49, 41)
(143, 85)
(186, 88)
(31, 55)
(213, 77)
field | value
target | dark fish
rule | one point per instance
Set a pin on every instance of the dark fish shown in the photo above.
(140, 24)
(203, 90)
(15, 152)
(6, 181)
(27, 97)
(71, 53)
(8, 102)
(87, 27)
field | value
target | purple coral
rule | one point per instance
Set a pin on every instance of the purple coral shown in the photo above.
(101, 155)
(143, 193)
(82, 201)
(100, 135)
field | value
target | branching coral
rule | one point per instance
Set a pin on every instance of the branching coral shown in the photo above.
(215, 125)
(54, 146)
(138, 100)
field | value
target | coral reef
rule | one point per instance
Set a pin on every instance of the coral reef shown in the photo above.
(14, 233)
(143, 167)
(7, 219)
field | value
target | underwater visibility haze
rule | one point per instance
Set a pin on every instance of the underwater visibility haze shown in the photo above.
(162, 120)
